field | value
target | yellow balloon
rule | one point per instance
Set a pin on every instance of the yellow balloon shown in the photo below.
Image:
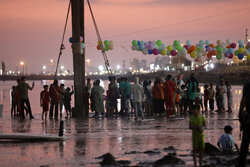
(169, 48)
(193, 54)
(248, 57)
(163, 52)
(241, 50)
(99, 42)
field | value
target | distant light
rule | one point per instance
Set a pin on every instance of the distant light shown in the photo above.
(62, 67)
(101, 68)
(118, 67)
(211, 65)
(130, 68)
(152, 66)
(51, 60)
(21, 63)
(44, 67)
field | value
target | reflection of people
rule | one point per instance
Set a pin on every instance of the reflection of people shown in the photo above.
(62, 98)
(244, 118)
(226, 142)
(44, 101)
(13, 102)
(197, 123)
(23, 88)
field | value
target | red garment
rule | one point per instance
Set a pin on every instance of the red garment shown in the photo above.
(55, 93)
(45, 98)
(169, 89)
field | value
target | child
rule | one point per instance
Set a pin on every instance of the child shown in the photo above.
(183, 100)
(226, 142)
(13, 102)
(206, 96)
(44, 101)
(211, 93)
(197, 123)
(198, 98)
(67, 99)
(229, 96)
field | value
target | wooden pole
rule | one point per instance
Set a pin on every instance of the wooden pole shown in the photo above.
(78, 57)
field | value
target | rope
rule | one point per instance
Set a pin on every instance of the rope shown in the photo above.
(62, 46)
(100, 39)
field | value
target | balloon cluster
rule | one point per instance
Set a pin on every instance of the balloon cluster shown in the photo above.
(242, 51)
(81, 43)
(150, 47)
(108, 45)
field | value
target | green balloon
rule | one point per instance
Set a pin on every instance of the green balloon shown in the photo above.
(158, 42)
(178, 47)
(106, 48)
(106, 43)
(219, 56)
(176, 43)
(134, 43)
(219, 49)
(198, 49)
(236, 52)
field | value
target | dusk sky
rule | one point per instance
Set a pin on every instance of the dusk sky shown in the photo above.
(31, 30)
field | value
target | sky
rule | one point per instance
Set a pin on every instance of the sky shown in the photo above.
(31, 31)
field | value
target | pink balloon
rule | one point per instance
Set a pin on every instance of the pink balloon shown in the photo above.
(173, 52)
(231, 56)
(155, 51)
(209, 49)
(248, 44)
(233, 45)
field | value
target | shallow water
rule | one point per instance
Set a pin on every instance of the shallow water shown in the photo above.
(124, 138)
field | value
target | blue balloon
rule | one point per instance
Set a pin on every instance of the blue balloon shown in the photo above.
(241, 45)
(248, 50)
(241, 42)
(70, 39)
(206, 48)
(138, 43)
(240, 56)
(150, 52)
(231, 50)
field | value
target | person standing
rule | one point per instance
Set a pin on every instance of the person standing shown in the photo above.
(63, 91)
(44, 101)
(169, 92)
(158, 96)
(229, 97)
(97, 95)
(55, 93)
(211, 94)
(221, 91)
(112, 95)
(192, 85)
(244, 118)
(88, 85)
(23, 88)
(148, 104)
(138, 98)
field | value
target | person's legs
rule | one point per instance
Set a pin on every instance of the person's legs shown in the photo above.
(136, 110)
(51, 109)
(194, 156)
(28, 107)
(201, 157)
(56, 110)
(140, 110)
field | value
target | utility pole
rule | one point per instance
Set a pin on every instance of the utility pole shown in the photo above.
(78, 56)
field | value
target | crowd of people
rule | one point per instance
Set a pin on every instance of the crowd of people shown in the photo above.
(172, 97)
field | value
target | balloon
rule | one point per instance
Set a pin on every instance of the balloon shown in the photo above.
(99, 47)
(106, 43)
(99, 42)
(248, 44)
(240, 56)
(163, 52)
(173, 52)
(245, 52)
(134, 43)
(158, 42)
(219, 56)
(178, 47)
(138, 42)
(193, 54)
(233, 45)
(188, 46)
(241, 50)
(70, 39)
(145, 51)
(163, 46)
(199, 55)
(225, 50)
(111, 47)
(241, 45)
(241, 42)
(231, 56)
(236, 52)
(198, 49)
(228, 41)
(150, 52)
(219, 42)
(192, 48)
(176, 43)
(169, 48)
(231, 50)
(212, 45)
(248, 57)
(189, 42)
(201, 42)
(81, 38)
(106, 48)
(134, 47)
(219, 49)
(82, 45)
(209, 55)
(207, 42)
(214, 52)
(209, 49)
(227, 54)
(155, 51)
(185, 46)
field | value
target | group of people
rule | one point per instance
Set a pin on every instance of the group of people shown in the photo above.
(51, 98)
